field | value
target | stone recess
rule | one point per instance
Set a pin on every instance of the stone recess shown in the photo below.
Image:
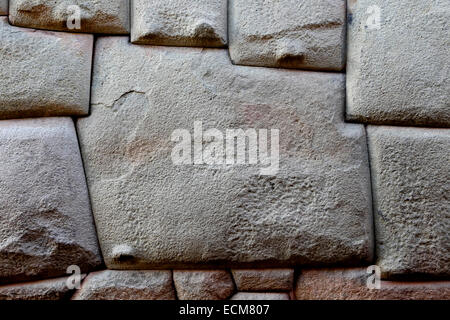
(260, 296)
(127, 285)
(3, 7)
(179, 22)
(399, 73)
(351, 284)
(308, 34)
(264, 279)
(151, 213)
(411, 174)
(43, 73)
(45, 217)
(203, 285)
(53, 289)
(99, 16)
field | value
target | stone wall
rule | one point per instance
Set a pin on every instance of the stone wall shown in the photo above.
(348, 101)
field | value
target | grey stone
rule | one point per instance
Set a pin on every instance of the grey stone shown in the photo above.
(399, 73)
(46, 223)
(98, 16)
(53, 289)
(3, 7)
(127, 285)
(179, 22)
(203, 285)
(264, 279)
(411, 174)
(43, 73)
(260, 296)
(151, 213)
(308, 34)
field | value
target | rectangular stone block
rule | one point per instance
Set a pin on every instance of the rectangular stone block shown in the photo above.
(100, 16)
(203, 284)
(264, 279)
(3, 7)
(312, 205)
(179, 23)
(43, 73)
(411, 174)
(307, 34)
(397, 67)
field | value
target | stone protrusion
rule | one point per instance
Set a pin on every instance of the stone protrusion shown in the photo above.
(203, 284)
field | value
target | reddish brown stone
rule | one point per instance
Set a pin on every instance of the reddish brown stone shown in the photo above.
(264, 279)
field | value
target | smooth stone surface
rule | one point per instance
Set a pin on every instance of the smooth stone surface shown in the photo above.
(96, 16)
(203, 285)
(179, 23)
(260, 296)
(308, 34)
(411, 174)
(3, 7)
(399, 73)
(53, 289)
(46, 223)
(127, 285)
(351, 284)
(151, 213)
(43, 73)
(263, 279)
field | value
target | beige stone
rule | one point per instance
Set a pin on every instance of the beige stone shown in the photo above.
(260, 296)
(203, 284)
(96, 16)
(264, 279)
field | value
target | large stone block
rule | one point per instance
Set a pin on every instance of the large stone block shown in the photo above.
(411, 174)
(179, 22)
(127, 285)
(308, 34)
(3, 7)
(45, 217)
(203, 285)
(43, 73)
(313, 207)
(352, 284)
(397, 68)
(99, 16)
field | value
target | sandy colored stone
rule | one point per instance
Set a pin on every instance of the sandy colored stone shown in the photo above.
(399, 73)
(53, 289)
(351, 284)
(151, 213)
(411, 174)
(263, 279)
(260, 296)
(46, 223)
(203, 284)
(288, 33)
(3, 7)
(179, 23)
(127, 285)
(43, 73)
(97, 16)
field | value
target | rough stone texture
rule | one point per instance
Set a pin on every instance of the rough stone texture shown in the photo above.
(260, 296)
(45, 218)
(97, 16)
(264, 279)
(53, 289)
(308, 34)
(399, 74)
(411, 174)
(3, 7)
(203, 285)
(351, 284)
(151, 213)
(179, 22)
(43, 73)
(127, 285)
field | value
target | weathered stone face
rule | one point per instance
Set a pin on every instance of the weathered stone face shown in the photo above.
(179, 22)
(3, 7)
(397, 69)
(43, 73)
(127, 285)
(203, 285)
(45, 218)
(410, 170)
(260, 296)
(264, 279)
(153, 213)
(99, 16)
(288, 33)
